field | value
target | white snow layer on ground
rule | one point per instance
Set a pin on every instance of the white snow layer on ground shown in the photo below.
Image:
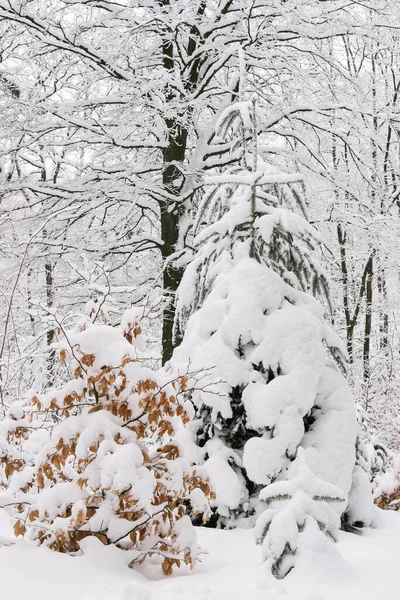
(365, 569)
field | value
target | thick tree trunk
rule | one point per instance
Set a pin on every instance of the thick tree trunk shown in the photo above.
(173, 179)
(172, 274)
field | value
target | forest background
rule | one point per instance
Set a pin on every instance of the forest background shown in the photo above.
(108, 113)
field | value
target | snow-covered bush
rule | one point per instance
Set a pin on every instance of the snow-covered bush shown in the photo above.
(109, 466)
(273, 388)
(300, 501)
(385, 476)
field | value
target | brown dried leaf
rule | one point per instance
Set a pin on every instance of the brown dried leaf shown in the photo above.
(88, 360)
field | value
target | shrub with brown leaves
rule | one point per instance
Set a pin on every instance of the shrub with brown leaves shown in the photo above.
(110, 467)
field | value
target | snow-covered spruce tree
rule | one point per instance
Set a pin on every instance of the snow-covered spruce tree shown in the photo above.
(109, 467)
(246, 313)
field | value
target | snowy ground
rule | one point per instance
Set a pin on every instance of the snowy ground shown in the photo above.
(366, 569)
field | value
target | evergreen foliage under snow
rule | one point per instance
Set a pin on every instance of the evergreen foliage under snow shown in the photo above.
(270, 388)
